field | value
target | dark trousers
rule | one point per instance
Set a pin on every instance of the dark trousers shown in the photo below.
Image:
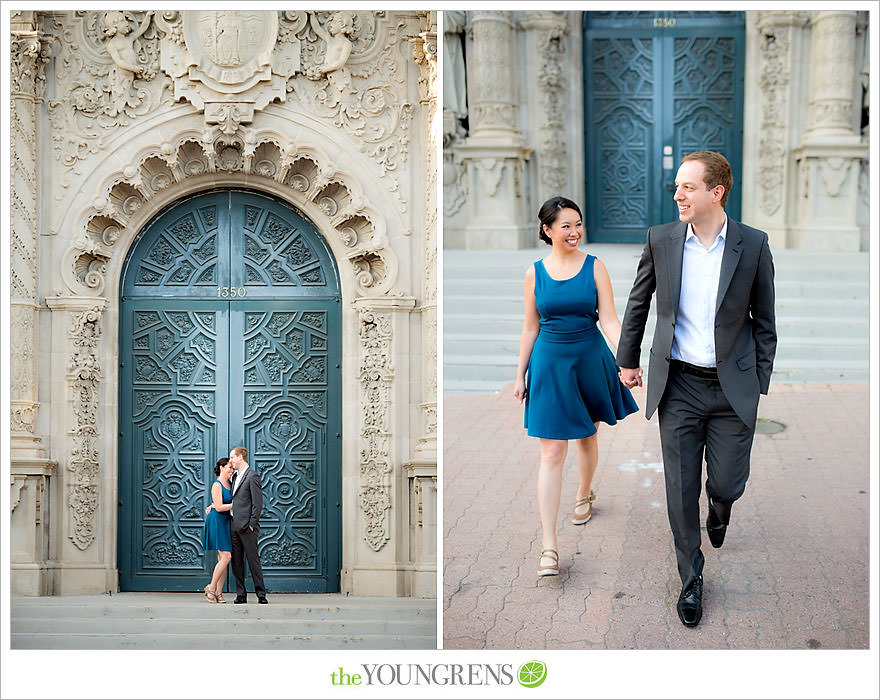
(696, 420)
(244, 544)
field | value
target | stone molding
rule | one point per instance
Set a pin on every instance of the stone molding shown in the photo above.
(830, 106)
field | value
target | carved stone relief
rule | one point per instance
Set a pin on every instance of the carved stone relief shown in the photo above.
(347, 68)
(106, 76)
(308, 175)
(774, 79)
(84, 465)
(552, 149)
(376, 378)
(834, 172)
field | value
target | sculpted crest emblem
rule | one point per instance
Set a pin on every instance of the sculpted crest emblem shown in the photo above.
(231, 49)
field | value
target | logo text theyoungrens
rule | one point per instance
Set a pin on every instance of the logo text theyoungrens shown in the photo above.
(426, 674)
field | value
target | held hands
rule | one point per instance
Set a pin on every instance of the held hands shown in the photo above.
(631, 377)
(208, 509)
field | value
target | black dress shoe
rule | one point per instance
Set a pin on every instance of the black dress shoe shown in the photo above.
(262, 600)
(239, 600)
(690, 603)
(714, 527)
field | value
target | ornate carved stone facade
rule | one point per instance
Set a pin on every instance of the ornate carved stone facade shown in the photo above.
(120, 114)
(804, 144)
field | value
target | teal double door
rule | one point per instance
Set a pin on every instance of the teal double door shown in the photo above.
(229, 335)
(657, 85)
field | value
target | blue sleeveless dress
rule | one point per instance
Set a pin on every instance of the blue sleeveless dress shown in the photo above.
(217, 534)
(571, 381)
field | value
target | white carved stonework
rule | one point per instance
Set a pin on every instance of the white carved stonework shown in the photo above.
(552, 82)
(492, 101)
(376, 378)
(490, 171)
(834, 172)
(776, 35)
(309, 178)
(21, 355)
(830, 108)
(84, 464)
(106, 76)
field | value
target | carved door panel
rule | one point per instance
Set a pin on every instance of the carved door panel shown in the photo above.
(229, 335)
(658, 85)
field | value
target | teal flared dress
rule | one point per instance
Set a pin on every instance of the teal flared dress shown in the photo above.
(571, 381)
(217, 533)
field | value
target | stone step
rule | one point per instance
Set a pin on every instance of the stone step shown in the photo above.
(793, 326)
(238, 641)
(840, 348)
(188, 621)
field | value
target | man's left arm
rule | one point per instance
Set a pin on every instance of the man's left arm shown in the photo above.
(256, 500)
(763, 310)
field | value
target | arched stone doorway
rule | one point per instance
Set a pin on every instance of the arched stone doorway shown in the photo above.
(230, 334)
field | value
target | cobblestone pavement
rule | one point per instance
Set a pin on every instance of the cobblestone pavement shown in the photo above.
(792, 574)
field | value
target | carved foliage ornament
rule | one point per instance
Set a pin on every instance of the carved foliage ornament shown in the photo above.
(553, 151)
(344, 67)
(85, 375)
(774, 80)
(376, 377)
(29, 53)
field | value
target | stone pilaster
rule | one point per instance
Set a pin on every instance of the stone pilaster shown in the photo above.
(425, 51)
(29, 54)
(30, 469)
(777, 45)
(547, 72)
(831, 154)
(382, 490)
(494, 154)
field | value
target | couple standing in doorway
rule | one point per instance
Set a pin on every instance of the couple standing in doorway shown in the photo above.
(232, 526)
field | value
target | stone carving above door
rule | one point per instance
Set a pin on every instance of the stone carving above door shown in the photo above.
(345, 68)
(331, 197)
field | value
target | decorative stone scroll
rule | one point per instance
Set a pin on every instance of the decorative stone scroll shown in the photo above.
(84, 465)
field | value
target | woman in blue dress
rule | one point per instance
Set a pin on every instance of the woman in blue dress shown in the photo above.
(217, 533)
(567, 375)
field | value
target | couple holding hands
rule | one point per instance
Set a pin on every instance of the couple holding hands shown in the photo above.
(232, 525)
(712, 355)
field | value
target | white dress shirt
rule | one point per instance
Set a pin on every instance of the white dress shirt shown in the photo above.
(238, 478)
(694, 337)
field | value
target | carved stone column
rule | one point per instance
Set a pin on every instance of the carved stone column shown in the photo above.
(29, 54)
(29, 468)
(777, 46)
(83, 514)
(425, 49)
(832, 152)
(547, 78)
(494, 153)
(382, 490)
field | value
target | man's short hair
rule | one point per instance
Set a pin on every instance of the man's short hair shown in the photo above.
(717, 171)
(241, 451)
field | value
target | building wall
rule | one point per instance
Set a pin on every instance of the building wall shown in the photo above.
(805, 150)
(119, 115)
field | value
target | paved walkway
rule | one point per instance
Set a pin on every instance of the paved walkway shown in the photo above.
(792, 574)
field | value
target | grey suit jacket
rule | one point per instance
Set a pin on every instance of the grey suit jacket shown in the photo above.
(745, 316)
(247, 501)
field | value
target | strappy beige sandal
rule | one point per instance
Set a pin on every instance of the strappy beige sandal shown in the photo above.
(210, 595)
(548, 570)
(582, 518)
(219, 598)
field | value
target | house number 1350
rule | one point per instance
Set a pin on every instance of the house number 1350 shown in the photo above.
(226, 292)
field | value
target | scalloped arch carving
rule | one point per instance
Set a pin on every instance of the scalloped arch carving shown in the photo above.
(331, 198)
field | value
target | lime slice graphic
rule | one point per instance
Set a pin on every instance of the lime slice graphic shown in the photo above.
(532, 673)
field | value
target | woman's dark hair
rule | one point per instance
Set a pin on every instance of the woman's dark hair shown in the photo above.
(549, 211)
(222, 462)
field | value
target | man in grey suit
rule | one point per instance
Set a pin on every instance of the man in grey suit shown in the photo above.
(247, 503)
(712, 355)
